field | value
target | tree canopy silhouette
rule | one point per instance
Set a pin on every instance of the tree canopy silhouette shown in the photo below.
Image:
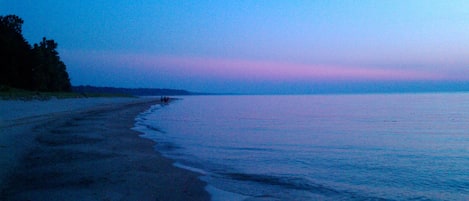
(49, 72)
(37, 68)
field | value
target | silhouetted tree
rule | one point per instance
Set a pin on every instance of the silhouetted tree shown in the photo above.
(12, 22)
(38, 68)
(49, 73)
(15, 54)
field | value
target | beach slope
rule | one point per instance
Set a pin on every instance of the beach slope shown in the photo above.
(89, 154)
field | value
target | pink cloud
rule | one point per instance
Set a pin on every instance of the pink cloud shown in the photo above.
(248, 69)
(221, 68)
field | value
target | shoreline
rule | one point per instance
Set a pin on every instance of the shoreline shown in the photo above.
(93, 154)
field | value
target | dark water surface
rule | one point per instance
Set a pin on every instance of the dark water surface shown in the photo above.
(331, 147)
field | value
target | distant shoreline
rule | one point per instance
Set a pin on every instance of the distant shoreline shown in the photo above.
(88, 153)
(133, 91)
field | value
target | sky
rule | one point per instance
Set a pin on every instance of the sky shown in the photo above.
(271, 46)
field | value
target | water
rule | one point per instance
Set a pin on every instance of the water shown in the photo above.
(331, 147)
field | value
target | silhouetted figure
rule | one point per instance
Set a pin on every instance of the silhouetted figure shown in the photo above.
(164, 99)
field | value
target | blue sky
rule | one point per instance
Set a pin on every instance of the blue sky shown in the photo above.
(254, 46)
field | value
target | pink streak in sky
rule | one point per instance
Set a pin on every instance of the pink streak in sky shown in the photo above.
(240, 69)
(268, 70)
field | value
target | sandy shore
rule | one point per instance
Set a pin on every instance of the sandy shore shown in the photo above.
(87, 152)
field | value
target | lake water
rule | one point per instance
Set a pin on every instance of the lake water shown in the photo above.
(319, 147)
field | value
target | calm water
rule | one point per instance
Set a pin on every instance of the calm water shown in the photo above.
(333, 147)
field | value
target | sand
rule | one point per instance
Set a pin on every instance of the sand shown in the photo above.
(85, 151)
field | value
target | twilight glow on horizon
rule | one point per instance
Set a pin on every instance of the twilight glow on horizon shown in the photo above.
(252, 46)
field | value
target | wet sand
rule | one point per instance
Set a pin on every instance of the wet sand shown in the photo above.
(92, 154)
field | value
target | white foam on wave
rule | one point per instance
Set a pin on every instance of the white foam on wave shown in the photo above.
(192, 169)
(221, 195)
(216, 193)
(140, 119)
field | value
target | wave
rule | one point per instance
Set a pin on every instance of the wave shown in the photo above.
(153, 128)
(302, 184)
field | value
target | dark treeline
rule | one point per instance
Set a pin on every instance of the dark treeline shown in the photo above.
(132, 91)
(36, 68)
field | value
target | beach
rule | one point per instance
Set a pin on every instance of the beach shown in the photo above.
(84, 149)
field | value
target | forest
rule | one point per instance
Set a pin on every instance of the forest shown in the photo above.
(33, 68)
